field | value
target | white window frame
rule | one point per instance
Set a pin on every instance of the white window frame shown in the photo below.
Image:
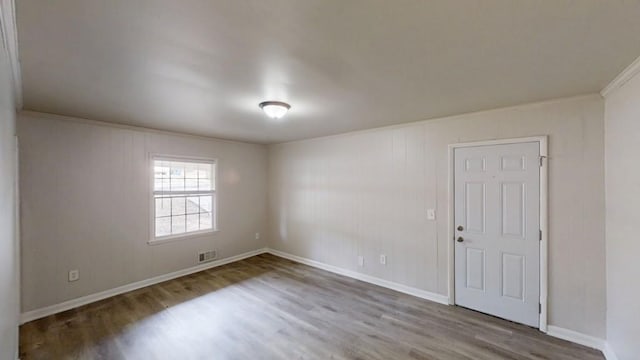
(153, 240)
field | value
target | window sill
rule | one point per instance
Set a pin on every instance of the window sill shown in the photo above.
(175, 238)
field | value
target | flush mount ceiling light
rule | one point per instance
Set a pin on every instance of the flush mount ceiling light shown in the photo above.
(275, 109)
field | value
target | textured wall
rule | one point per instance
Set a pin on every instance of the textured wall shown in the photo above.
(366, 193)
(622, 129)
(86, 205)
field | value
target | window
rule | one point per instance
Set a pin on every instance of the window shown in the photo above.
(184, 197)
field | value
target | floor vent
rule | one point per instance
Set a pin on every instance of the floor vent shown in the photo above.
(207, 256)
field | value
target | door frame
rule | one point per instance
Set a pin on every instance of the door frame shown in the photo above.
(542, 141)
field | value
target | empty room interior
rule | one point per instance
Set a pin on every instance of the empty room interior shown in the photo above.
(319, 179)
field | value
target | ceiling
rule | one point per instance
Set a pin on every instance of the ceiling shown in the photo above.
(202, 67)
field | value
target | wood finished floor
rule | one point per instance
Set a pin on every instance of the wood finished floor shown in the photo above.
(266, 307)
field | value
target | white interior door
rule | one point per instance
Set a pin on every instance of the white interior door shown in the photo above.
(497, 234)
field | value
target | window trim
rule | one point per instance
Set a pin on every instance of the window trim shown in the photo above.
(153, 240)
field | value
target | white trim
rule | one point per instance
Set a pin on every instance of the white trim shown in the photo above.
(74, 303)
(608, 352)
(180, 237)
(544, 228)
(423, 294)
(542, 140)
(10, 41)
(576, 337)
(627, 74)
(183, 158)
(555, 331)
(17, 239)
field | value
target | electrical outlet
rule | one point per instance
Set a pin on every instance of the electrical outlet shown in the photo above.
(257, 236)
(360, 261)
(383, 259)
(74, 275)
(431, 214)
(207, 256)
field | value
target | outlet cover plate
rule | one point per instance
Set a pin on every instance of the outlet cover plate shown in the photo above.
(74, 275)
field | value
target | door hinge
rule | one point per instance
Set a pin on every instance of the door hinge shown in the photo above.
(541, 158)
(540, 235)
(539, 308)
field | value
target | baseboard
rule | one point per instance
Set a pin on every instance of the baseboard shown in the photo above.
(74, 303)
(555, 331)
(442, 299)
(576, 337)
(583, 339)
(608, 352)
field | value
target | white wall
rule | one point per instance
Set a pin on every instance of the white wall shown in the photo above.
(622, 139)
(366, 193)
(86, 205)
(9, 286)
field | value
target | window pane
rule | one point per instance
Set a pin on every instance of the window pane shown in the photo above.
(163, 226)
(193, 205)
(205, 203)
(177, 170)
(177, 184)
(180, 213)
(204, 184)
(191, 184)
(161, 176)
(160, 170)
(166, 184)
(204, 171)
(178, 206)
(163, 206)
(177, 224)
(192, 223)
(206, 221)
(191, 171)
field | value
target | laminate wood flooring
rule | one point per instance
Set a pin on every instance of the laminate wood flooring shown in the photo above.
(266, 307)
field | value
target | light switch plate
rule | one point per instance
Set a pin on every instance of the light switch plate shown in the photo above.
(383, 259)
(431, 214)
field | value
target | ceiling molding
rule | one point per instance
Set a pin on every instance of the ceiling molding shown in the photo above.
(10, 45)
(518, 107)
(115, 125)
(626, 75)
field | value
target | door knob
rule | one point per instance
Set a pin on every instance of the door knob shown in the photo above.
(460, 228)
(459, 239)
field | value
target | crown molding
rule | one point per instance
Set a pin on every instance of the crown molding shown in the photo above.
(10, 46)
(627, 74)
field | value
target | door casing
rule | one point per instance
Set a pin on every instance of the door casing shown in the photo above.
(542, 141)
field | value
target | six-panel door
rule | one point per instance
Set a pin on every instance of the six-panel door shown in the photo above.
(497, 214)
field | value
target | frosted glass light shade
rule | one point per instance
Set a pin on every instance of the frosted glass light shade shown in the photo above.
(275, 109)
